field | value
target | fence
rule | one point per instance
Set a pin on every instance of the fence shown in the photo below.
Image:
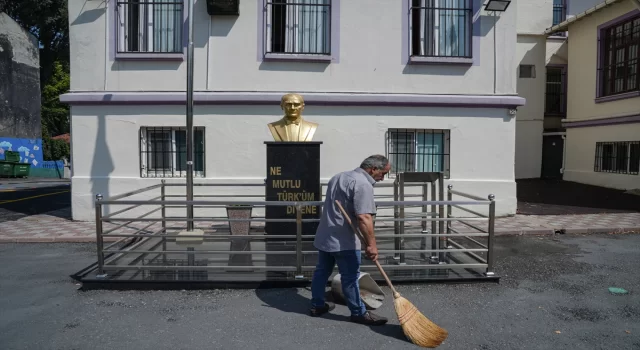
(154, 247)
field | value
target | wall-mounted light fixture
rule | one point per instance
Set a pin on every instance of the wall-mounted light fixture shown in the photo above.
(497, 5)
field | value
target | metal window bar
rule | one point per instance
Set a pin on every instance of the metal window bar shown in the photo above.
(163, 152)
(298, 27)
(618, 157)
(621, 52)
(559, 12)
(151, 26)
(425, 150)
(555, 96)
(441, 28)
(114, 261)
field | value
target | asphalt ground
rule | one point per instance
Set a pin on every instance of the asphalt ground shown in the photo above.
(554, 294)
(24, 199)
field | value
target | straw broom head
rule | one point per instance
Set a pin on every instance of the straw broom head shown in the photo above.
(419, 329)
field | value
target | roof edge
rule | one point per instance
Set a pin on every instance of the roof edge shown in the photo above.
(564, 25)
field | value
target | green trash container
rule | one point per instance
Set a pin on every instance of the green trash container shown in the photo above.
(21, 170)
(12, 156)
(6, 169)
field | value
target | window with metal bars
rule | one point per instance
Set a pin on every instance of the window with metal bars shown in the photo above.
(418, 150)
(618, 157)
(620, 47)
(559, 12)
(149, 26)
(163, 152)
(441, 28)
(555, 96)
(298, 27)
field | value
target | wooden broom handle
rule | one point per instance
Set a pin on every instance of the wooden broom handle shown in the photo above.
(364, 240)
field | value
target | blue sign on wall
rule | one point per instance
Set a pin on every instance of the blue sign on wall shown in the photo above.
(30, 150)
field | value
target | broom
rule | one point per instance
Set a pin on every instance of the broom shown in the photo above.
(419, 329)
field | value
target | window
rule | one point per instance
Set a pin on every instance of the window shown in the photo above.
(559, 12)
(149, 26)
(441, 28)
(620, 46)
(298, 27)
(527, 71)
(418, 150)
(555, 97)
(164, 152)
(618, 157)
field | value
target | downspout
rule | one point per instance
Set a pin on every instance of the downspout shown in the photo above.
(106, 42)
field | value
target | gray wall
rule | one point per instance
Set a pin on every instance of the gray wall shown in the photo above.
(19, 82)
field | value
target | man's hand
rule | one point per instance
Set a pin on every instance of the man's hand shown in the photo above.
(371, 253)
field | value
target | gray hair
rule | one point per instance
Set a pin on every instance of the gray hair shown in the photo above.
(375, 161)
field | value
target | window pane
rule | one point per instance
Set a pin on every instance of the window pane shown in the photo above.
(430, 152)
(401, 151)
(159, 147)
(634, 161)
(302, 26)
(441, 28)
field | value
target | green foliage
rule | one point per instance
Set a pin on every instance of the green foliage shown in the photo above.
(55, 149)
(55, 115)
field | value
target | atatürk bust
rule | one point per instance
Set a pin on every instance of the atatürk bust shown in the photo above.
(292, 127)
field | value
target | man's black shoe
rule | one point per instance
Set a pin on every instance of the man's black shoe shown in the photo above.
(369, 319)
(319, 311)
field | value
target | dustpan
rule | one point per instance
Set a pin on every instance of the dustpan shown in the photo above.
(370, 293)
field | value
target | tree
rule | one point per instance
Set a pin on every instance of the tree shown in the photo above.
(55, 115)
(48, 21)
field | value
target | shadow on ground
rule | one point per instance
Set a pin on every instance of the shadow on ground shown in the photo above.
(557, 197)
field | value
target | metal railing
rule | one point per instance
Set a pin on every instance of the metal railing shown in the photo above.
(152, 26)
(152, 241)
(441, 29)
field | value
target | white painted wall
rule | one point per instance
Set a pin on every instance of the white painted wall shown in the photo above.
(226, 56)
(106, 145)
(534, 16)
(581, 150)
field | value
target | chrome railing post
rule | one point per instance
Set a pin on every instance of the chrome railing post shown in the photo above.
(299, 241)
(164, 222)
(491, 230)
(99, 242)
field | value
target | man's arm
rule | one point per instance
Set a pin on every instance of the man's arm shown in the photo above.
(365, 224)
(364, 206)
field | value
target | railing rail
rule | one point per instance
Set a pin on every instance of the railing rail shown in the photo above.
(451, 249)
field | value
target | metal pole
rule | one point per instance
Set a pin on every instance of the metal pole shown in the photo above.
(396, 215)
(99, 242)
(164, 223)
(299, 241)
(190, 119)
(442, 244)
(492, 220)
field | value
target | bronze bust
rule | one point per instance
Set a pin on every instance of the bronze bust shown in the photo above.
(292, 128)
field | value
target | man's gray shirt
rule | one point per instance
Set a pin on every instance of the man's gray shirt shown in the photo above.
(354, 190)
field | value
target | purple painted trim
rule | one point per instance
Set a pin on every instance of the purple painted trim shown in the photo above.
(311, 98)
(113, 35)
(617, 97)
(630, 119)
(334, 22)
(600, 30)
(476, 35)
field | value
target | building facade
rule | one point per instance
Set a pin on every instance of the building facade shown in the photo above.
(603, 103)
(431, 84)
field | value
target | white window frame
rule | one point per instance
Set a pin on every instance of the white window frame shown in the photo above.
(172, 171)
(294, 46)
(145, 29)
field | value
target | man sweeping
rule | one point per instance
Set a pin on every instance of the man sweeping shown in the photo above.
(337, 243)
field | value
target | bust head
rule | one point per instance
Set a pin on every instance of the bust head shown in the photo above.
(292, 105)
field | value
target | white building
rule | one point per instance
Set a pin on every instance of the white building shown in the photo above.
(434, 89)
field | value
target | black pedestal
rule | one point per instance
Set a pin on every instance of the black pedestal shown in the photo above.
(293, 175)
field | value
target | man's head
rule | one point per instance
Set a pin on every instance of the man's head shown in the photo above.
(377, 166)
(292, 105)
